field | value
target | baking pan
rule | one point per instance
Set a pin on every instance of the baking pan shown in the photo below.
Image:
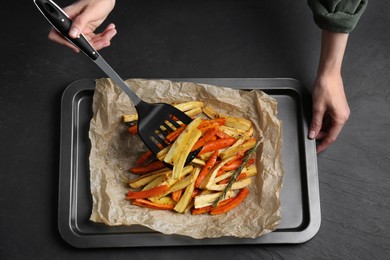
(300, 202)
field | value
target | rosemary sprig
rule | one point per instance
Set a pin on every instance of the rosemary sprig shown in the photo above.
(249, 154)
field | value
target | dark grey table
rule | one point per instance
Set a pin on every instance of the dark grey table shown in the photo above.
(190, 39)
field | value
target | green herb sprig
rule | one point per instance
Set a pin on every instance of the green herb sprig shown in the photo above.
(233, 179)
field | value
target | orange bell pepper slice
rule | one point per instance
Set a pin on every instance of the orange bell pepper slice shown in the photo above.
(221, 209)
(156, 191)
(153, 166)
(151, 205)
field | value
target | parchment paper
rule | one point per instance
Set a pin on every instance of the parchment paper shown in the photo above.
(114, 151)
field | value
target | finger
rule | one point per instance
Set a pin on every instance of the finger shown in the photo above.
(78, 26)
(316, 122)
(325, 128)
(107, 34)
(80, 19)
(330, 138)
(110, 26)
(321, 135)
(73, 11)
(103, 39)
(330, 134)
(100, 44)
(58, 38)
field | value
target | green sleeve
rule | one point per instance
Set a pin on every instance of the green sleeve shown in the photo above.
(337, 15)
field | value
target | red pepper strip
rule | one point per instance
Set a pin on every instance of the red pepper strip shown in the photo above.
(240, 197)
(213, 138)
(208, 208)
(207, 124)
(153, 166)
(195, 193)
(205, 170)
(217, 144)
(242, 175)
(156, 191)
(221, 134)
(250, 162)
(175, 134)
(205, 138)
(176, 195)
(146, 156)
(133, 129)
(225, 181)
(143, 158)
(148, 204)
(219, 173)
(232, 165)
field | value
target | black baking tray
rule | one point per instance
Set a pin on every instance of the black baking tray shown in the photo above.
(300, 202)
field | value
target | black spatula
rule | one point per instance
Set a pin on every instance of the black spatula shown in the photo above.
(155, 121)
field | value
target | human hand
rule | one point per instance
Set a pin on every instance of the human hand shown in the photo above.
(87, 16)
(330, 110)
(330, 106)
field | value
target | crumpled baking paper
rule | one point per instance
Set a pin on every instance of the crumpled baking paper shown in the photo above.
(114, 151)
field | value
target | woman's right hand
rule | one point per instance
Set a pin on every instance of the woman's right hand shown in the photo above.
(87, 16)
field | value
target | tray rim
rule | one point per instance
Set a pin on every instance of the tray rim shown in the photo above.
(68, 113)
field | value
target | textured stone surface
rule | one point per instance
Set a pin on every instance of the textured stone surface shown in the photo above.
(167, 39)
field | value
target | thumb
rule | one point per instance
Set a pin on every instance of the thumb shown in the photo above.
(316, 123)
(78, 25)
(87, 16)
(81, 15)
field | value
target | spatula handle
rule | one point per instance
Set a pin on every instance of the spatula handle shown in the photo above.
(62, 23)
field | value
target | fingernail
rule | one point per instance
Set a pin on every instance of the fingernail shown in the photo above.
(74, 32)
(312, 134)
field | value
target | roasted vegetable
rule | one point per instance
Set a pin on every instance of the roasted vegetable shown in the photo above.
(214, 182)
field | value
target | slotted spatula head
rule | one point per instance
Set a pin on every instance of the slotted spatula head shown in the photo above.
(156, 121)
